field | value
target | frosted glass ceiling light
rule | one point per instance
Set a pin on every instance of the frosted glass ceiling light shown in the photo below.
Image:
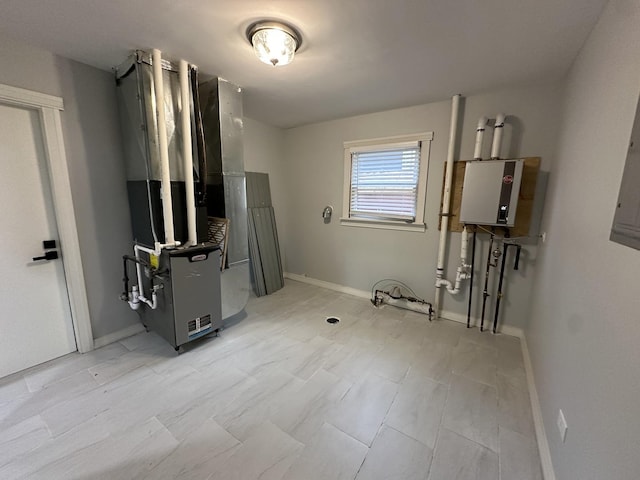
(274, 43)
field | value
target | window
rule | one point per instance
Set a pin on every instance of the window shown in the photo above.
(385, 182)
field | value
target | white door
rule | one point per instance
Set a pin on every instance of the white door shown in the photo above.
(35, 317)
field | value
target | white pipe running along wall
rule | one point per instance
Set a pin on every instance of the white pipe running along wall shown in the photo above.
(498, 128)
(446, 200)
(187, 153)
(477, 152)
(463, 271)
(165, 185)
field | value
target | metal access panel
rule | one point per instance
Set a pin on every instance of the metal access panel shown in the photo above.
(189, 303)
(490, 192)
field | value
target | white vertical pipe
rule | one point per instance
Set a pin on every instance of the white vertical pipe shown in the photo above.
(446, 200)
(498, 128)
(477, 152)
(187, 153)
(165, 185)
(464, 246)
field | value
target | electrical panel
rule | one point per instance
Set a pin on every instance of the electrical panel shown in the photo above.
(490, 192)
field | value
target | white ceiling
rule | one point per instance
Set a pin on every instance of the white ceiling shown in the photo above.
(358, 56)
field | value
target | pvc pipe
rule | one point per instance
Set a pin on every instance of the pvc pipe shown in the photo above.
(153, 303)
(446, 200)
(477, 152)
(134, 299)
(462, 272)
(498, 128)
(187, 153)
(464, 246)
(165, 185)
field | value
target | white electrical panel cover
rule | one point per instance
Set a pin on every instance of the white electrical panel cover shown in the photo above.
(490, 192)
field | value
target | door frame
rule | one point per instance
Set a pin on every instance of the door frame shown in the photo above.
(49, 108)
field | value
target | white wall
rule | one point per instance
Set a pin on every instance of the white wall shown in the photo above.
(93, 147)
(584, 332)
(358, 257)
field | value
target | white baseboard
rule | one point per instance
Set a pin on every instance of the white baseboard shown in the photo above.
(460, 318)
(331, 286)
(456, 317)
(543, 444)
(119, 335)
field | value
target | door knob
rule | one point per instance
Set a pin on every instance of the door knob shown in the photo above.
(51, 255)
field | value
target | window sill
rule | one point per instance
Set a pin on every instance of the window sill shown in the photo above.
(383, 224)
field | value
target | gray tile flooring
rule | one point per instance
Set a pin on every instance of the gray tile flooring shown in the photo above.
(281, 394)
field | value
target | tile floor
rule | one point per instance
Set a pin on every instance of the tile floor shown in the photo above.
(281, 394)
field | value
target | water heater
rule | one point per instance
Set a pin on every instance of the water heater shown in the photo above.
(490, 192)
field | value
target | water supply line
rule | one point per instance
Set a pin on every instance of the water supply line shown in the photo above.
(485, 293)
(477, 152)
(473, 264)
(498, 128)
(390, 292)
(187, 153)
(500, 293)
(446, 200)
(165, 185)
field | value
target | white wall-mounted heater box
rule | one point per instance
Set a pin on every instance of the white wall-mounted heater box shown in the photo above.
(490, 192)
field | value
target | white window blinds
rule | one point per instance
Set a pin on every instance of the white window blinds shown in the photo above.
(384, 181)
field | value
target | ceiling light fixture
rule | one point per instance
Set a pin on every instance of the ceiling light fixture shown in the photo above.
(275, 43)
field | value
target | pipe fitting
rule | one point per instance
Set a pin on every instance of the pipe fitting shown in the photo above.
(477, 153)
(134, 298)
(498, 128)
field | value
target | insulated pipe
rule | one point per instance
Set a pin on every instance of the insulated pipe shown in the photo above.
(446, 200)
(165, 185)
(473, 263)
(187, 153)
(499, 294)
(485, 292)
(477, 153)
(202, 157)
(498, 128)
(515, 267)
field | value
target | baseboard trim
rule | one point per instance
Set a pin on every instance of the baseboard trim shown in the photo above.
(543, 444)
(331, 286)
(456, 317)
(475, 322)
(119, 335)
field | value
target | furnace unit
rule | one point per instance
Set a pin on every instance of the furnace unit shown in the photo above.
(183, 167)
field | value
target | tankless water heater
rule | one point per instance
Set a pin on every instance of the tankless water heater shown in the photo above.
(490, 192)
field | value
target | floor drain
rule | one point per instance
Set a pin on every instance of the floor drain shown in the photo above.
(332, 320)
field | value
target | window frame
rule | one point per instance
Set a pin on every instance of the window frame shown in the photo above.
(384, 143)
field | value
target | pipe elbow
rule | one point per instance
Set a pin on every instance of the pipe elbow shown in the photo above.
(482, 122)
(500, 118)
